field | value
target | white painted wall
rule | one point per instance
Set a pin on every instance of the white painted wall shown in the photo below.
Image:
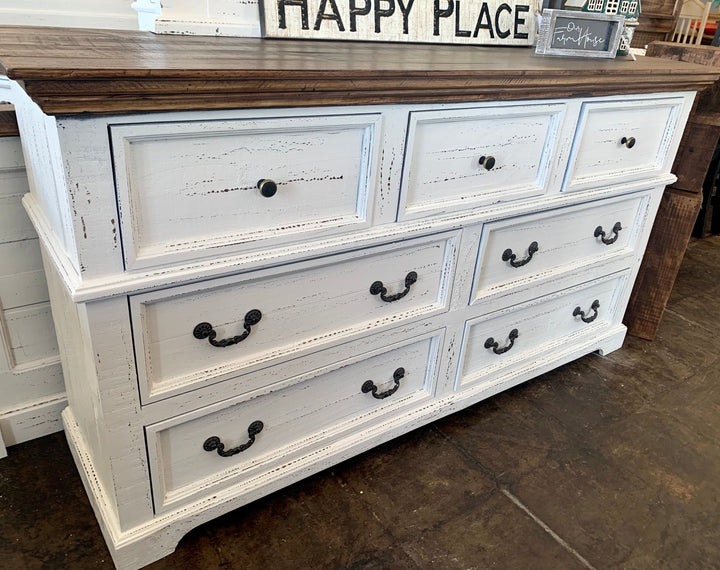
(115, 14)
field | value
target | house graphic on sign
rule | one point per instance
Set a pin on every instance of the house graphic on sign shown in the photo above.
(628, 8)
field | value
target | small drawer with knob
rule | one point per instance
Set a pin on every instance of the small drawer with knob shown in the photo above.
(191, 336)
(525, 251)
(623, 140)
(507, 338)
(188, 190)
(250, 440)
(461, 158)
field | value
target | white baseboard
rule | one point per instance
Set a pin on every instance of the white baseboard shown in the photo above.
(36, 419)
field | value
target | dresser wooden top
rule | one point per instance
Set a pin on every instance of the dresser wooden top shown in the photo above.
(69, 71)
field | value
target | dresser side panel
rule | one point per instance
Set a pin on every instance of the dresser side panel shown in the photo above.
(43, 160)
(113, 362)
(81, 381)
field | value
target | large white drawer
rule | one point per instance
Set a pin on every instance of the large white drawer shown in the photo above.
(276, 430)
(190, 189)
(620, 141)
(499, 341)
(457, 159)
(301, 307)
(518, 251)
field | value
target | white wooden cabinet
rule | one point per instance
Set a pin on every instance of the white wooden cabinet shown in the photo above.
(32, 393)
(219, 342)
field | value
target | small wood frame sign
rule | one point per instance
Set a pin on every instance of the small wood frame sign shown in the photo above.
(482, 22)
(566, 32)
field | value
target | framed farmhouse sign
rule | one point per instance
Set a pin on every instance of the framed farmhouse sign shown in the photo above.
(565, 32)
(481, 22)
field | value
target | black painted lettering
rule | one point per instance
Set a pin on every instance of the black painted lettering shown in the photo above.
(458, 32)
(334, 17)
(520, 21)
(281, 12)
(502, 33)
(484, 22)
(383, 12)
(355, 12)
(405, 13)
(438, 13)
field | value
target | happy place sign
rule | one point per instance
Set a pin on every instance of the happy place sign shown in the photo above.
(489, 22)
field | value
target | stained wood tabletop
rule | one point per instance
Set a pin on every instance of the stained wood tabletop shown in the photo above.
(68, 71)
(8, 124)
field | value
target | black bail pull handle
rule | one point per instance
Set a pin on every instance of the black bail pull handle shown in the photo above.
(377, 288)
(206, 330)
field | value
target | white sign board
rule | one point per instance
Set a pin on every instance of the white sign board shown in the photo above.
(489, 22)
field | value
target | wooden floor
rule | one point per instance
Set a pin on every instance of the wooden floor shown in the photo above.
(604, 463)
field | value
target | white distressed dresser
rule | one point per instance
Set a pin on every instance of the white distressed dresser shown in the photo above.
(266, 257)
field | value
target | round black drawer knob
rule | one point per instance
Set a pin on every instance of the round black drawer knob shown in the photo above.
(267, 188)
(488, 162)
(628, 142)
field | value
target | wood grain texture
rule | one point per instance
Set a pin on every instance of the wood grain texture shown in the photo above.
(69, 71)
(694, 155)
(708, 101)
(664, 254)
(8, 123)
(678, 210)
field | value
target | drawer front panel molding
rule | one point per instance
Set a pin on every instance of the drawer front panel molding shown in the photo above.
(186, 189)
(494, 343)
(457, 159)
(293, 421)
(619, 141)
(301, 307)
(516, 252)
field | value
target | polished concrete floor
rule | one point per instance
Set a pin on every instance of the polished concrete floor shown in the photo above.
(604, 463)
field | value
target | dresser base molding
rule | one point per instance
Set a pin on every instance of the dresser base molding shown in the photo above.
(147, 543)
(32, 420)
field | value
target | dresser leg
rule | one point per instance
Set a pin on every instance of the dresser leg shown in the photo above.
(129, 550)
(613, 342)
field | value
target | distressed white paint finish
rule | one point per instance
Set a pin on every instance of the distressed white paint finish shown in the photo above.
(320, 287)
(303, 308)
(296, 421)
(538, 323)
(483, 22)
(209, 18)
(31, 336)
(144, 544)
(32, 394)
(97, 358)
(565, 238)
(443, 169)
(92, 200)
(600, 157)
(43, 160)
(188, 189)
(35, 418)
